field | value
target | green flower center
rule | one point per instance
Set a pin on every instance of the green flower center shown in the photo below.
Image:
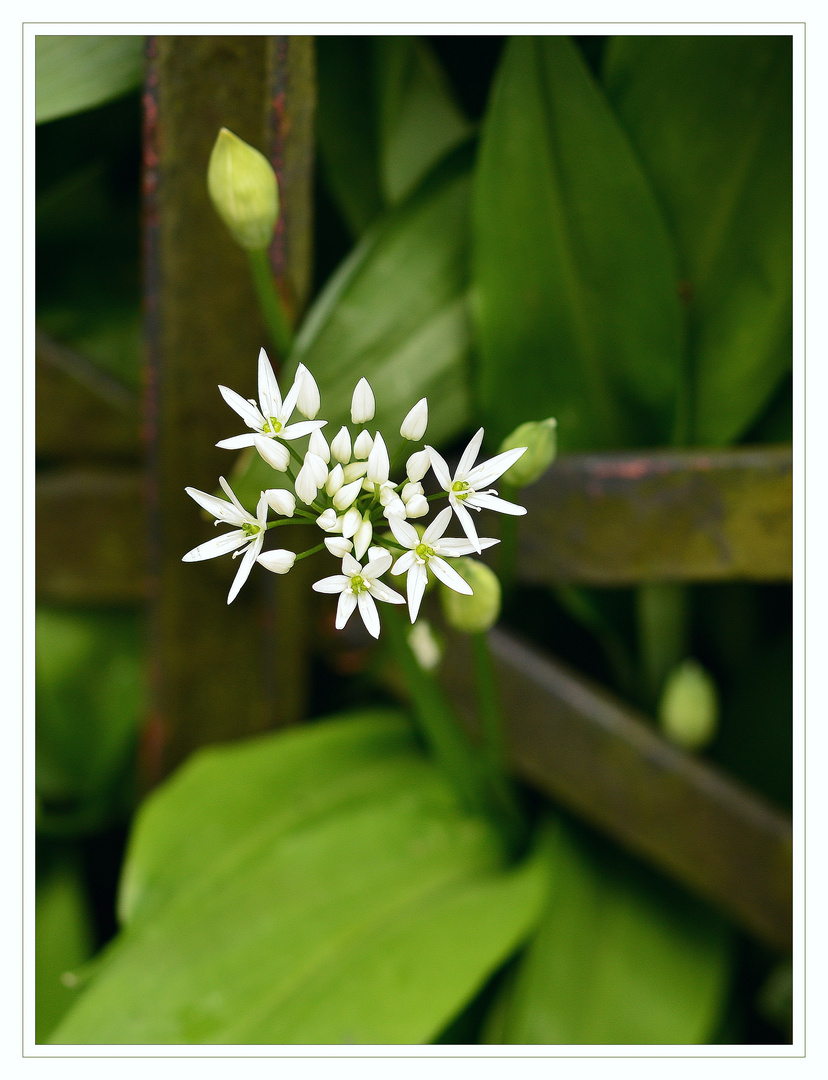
(274, 425)
(423, 551)
(461, 489)
(358, 584)
(249, 529)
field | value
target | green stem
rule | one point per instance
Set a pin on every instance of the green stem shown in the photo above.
(310, 551)
(270, 303)
(286, 521)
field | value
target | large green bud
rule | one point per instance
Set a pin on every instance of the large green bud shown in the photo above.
(689, 707)
(541, 442)
(243, 188)
(479, 612)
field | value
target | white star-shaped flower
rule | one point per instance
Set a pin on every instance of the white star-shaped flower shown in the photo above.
(464, 488)
(424, 554)
(358, 587)
(271, 419)
(250, 532)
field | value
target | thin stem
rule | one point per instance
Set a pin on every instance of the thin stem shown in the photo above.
(285, 521)
(310, 551)
(270, 303)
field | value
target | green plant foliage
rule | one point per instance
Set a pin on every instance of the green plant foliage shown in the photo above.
(576, 304)
(385, 116)
(76, 72)
(618, 958)
(710, 118)
(63, 940)
(89, 689)
(396, 313)
(317, 886)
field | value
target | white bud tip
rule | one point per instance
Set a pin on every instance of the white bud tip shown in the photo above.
(362, 403)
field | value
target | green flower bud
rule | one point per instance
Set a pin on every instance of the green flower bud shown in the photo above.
(541, 442)
(242, 186)
(689, 708)
(479, 612)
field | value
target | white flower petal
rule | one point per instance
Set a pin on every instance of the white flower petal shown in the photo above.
(236, 442)
(275, 453)
(289, 404)
(269, 397)
(439, 468)
(228, 491)
(243, 572)
(369, 613)
(304, 427)
(469, 456)
(249, 413)
(436, 529)
(453, 548)
(449, 576)
(219, 508)
(465, 519)
(488, 471)
(219, 545)
(385, 593)
(404, 533)
(405, 562)
(378, 565)
(335, 584)
(492, 502)
(415, 587)
(345, 608)
(350, 566)
(362, 538)
(338, 546)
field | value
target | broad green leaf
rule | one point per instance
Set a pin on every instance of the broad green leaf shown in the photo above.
(317, 886)
(396, 313)
(77, 72)
(618, 958)
(385, 117)
(574, 278)
(63, 940)
(419, 121)
(711, 120)
(89, 688)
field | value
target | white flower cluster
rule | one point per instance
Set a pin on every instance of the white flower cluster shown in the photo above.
(346, 488)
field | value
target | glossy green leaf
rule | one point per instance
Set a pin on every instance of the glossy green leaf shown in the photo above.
(89, 689)
(396, 313)
(711, 119)
(63, 940)
(385, 116)
(318, 886)
(619, 957)
(77, 72)
(575, 293)
(419, 121)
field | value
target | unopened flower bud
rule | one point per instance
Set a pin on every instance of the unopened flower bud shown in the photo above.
(335, 480)
(362, 445)
(283, 502)
(410, 490)
(418, 465)
(275, 453)
(355, 470)
(305, 485)
(416, 507)
(243, 189)
(327, 520)
(346, 495)
(424, 645)
(308, 401)
(338, 546)
(479, 612)
(362, 403)
(363, 536)
(541, 442)
(351, 522)
(341, 446)
(279, 561)
(689, 709)
(378, 461)
(414, 426)
(395, 508)
(317, 444)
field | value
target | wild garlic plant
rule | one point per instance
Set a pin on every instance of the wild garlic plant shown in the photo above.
(374, 524)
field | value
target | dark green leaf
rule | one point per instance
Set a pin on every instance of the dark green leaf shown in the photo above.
(77, 72)
(63, 940)
(618, 958)
(396, 313)
(575, 282)
(710, 118)
(317, 886)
